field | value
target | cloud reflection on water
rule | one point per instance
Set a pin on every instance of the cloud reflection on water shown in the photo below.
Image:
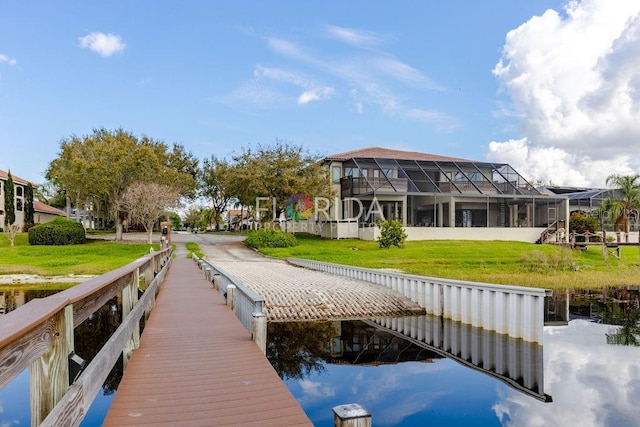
(592, 383)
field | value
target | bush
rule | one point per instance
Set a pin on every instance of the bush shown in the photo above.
(581, 223)
(391, 233)
(60, 231)
(270, 238)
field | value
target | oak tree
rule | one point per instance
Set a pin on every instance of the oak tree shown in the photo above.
(278, 172)
(216, 179)
(95, 170)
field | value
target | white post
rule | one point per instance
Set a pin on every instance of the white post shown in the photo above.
(259, 330)
(231, 293)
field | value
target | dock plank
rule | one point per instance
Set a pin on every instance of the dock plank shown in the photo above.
(197, 366)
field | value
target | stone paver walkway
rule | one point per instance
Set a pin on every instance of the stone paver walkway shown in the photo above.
(295, 294)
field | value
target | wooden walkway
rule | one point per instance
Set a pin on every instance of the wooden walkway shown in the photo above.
(197, 366)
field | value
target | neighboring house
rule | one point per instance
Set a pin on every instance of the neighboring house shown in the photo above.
(237, 219)
(436, 197)
(582, 199)
(42, 212)
(589, 200)
(45, 213)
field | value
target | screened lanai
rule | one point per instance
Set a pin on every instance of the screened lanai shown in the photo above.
(442, 193)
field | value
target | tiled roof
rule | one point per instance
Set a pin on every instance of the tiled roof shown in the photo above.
(44, 208)
(386, 153)
(16, 179)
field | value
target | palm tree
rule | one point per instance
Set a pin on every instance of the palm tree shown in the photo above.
(627, 200)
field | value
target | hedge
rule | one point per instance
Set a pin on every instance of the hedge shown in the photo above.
(60, 231)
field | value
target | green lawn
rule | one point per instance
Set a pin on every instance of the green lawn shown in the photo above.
(94, 257)
(514, 263)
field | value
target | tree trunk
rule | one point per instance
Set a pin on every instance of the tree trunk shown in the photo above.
(118, 228)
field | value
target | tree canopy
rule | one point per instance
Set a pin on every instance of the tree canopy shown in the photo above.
(279, 171)
(216, 179)
(621, 208)
(96, 170)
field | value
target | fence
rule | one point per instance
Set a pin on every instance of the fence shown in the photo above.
(39, 336)
(247, 305)
(513, 310)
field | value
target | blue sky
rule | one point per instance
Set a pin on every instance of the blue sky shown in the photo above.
(548, 86)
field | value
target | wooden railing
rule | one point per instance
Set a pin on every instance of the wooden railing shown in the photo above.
(513, 310)
(39, 336)
(247, 305)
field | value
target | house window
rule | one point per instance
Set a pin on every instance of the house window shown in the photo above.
(18, 191)
(336, 173)
(354, 172)
(19, 204)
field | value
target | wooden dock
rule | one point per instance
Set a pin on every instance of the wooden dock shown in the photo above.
(197, 366)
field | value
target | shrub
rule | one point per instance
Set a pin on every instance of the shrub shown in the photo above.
(581, 223)
(391, 233)
(60, 231)
(270, 238)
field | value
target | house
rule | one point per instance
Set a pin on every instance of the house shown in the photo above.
(42, 212)
(589, 200)
(436, 197)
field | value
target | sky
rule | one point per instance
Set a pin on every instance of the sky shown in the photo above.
(551, 87)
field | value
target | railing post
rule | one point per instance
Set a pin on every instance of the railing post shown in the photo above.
(259, 330)
(351, 415)
(216, 281)
(231, 295)
(49, 375)
(129, 300)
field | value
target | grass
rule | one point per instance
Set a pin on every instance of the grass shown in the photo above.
(94, 257)
(481, 261)
(194, 248)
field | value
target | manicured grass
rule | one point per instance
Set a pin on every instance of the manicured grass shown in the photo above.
(480, 261)
(94, 257)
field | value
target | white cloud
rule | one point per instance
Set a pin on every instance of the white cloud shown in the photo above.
(271, 86)
(556, 165)
(103, 44)
(373, 77)
(316, 390)
(286, 48)
(358, 38)
(5, 59)
(315, 94)
(574, 79)
(598, 384)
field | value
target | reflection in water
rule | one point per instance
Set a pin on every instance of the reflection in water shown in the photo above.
(89, 337)
(590, 368)
(618, 307)
(299, 348)
(593, 383)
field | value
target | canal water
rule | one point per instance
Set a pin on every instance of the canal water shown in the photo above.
(587, 372)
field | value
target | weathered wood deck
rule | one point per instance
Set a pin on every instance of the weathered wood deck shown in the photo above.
(197, 366)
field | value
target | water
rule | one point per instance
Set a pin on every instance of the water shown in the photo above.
(588, 368)
(89, 337)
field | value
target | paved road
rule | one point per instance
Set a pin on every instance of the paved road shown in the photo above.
(293, 293)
